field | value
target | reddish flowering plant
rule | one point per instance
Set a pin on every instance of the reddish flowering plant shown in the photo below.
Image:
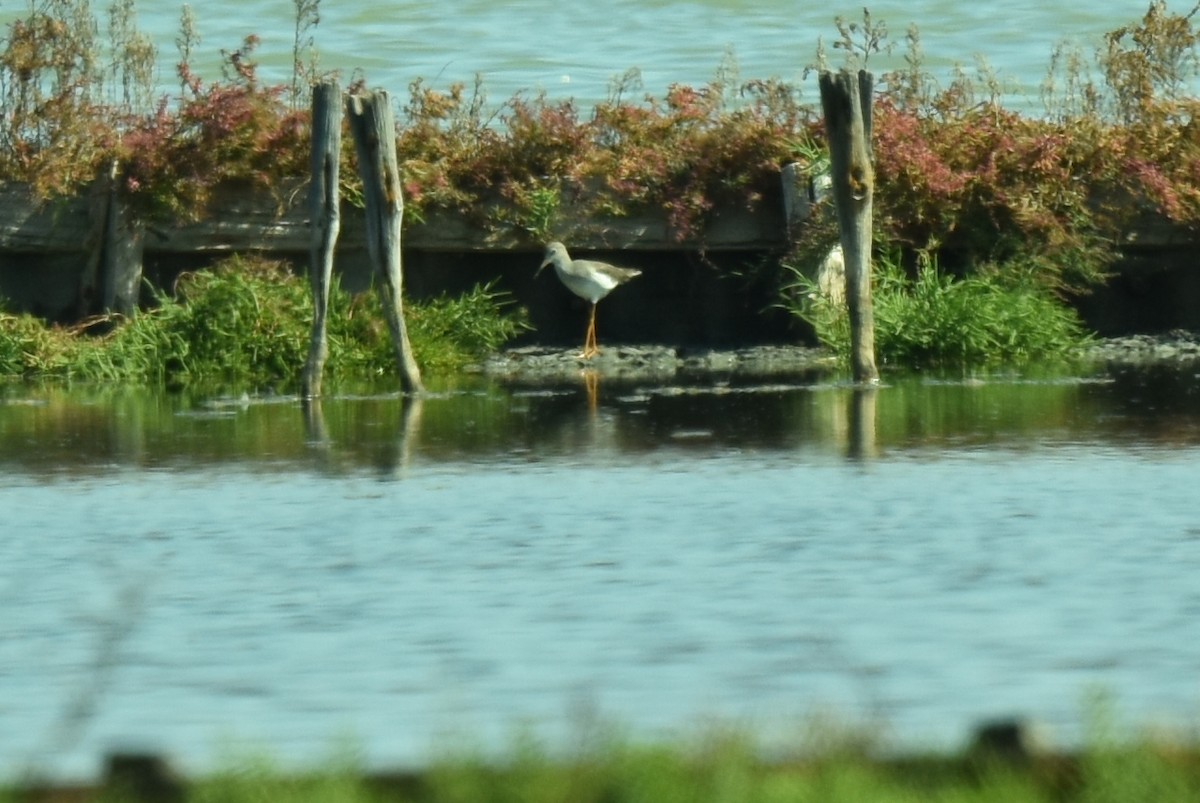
(696, 149)
(681, 155)
(239, 130)
(440, 139)
(988, 186)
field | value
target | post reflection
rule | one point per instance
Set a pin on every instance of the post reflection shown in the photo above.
(86, 432)
(861, 443)
(390, 456)
(314, 422)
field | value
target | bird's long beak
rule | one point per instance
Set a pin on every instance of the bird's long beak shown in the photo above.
(541, 268)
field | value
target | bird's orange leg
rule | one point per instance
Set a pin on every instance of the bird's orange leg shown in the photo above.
(590, 347)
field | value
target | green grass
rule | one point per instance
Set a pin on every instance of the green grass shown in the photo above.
(935, 320)
(724, 770)
(246, 324)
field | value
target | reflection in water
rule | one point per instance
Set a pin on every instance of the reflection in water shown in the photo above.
(862, 423)
(314, 422)
(394, 455)
(1165, 398)
(591, 382)
(59, 432)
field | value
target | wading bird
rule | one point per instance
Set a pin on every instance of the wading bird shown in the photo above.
(588, 279)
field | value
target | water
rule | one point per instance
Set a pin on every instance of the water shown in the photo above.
(575, 50)
(185, 575)
(195, 574)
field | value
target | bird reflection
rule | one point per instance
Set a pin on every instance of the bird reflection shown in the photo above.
(591, 384)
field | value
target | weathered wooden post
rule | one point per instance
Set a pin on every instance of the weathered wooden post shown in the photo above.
(846, 101)
(374, 131)
(125, 237)
(325, 219)
(112, 278)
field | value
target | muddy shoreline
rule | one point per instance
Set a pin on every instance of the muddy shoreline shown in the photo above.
(544, 364)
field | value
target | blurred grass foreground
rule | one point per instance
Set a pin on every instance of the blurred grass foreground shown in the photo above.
(1003, 764)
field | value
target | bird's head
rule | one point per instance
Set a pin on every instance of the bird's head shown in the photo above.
(555, 253)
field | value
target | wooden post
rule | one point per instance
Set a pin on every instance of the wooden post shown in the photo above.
(846, 101)
(112, 278)
(374, 131)
(124, 244)
(325, 219)
(99, 198)
(796, 204)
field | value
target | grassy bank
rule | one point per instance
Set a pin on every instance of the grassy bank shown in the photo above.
(937, 320)
(245, 324)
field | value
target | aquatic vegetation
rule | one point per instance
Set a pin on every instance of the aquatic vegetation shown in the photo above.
(987, 187)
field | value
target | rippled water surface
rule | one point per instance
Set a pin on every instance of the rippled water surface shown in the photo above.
(576, 49)
(187, 573)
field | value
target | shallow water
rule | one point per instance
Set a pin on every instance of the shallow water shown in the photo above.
(189, 574)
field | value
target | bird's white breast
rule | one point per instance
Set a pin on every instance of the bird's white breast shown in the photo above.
(586, 281)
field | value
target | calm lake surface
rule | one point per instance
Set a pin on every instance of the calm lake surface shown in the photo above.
(574, 50)
(195, 574)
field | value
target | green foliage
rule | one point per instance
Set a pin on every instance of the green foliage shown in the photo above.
(536, 208)
(241, 323)
(246, 323)
(27, 347)
(258, 779)
(934, 319)
(722, 769)
(446, 333)
(478, 322)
